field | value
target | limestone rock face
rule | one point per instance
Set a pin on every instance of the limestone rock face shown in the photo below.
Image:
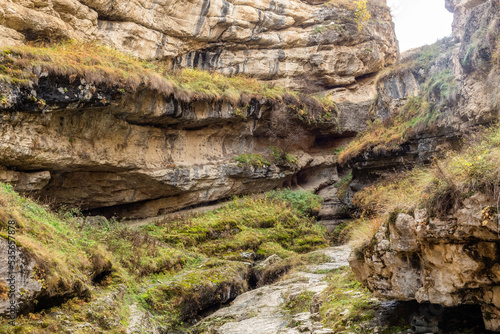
(294, 43)
(461, 10)
(25, 182)
(140, 154)
(299, 45)
(450, 261)
(261, 310)
(21, 280)
(144, 154)
(457, 79)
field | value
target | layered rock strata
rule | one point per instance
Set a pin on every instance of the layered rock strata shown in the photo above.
(142, 154)
(457, 78)
(294, 43)
(96, 147)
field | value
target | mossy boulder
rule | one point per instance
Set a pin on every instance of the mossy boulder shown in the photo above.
(183, 297)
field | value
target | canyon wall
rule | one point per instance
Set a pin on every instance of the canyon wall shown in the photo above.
(301, 44)
(449, 260)
(140, 154)
(458, 79)
(153, 153)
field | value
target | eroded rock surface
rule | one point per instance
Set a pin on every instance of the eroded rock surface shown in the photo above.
(293, 43)
(22, 277)
(448, 261)
(261, 310)
(144, 154)
(458, 80)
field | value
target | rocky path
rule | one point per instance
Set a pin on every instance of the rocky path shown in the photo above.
(261, 311)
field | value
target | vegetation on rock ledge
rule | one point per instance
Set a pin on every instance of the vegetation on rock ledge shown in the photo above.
(419, 112)
(385, 136)
(347, 306)
(437, 188)
(252, 159)
(98, 64)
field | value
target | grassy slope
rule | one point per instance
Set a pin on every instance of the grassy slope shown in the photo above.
(438, 188)
(264, 225)
(347, 306)
(64, 256)
(168, 259)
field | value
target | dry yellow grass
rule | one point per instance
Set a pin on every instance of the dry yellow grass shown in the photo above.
(382, 137)
(437, 188)
(101, 65)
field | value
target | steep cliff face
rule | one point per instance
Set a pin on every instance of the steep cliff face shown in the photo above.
(450, 262)
(436, 228)
(86, 139)
(293, 43)
(434, 95)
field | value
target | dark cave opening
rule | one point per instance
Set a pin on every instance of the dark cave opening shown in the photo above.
(446, 320)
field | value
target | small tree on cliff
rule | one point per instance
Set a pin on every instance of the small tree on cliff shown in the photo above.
(361, 14)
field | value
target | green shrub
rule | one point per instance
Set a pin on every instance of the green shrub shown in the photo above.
(338, 150)
(255, 160)
(282, 158)
(305, 202)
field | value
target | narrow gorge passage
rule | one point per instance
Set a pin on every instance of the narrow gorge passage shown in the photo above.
(270, 309)
(187, 166)
(296, 303)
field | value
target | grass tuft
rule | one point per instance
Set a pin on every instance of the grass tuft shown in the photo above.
(346, 304)
(252, 159)
(304, 201)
